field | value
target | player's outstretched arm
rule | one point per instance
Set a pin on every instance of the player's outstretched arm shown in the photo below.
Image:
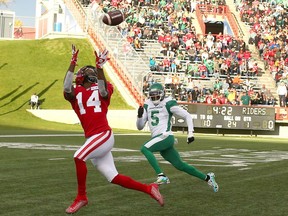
(100, 60)
(68, 80)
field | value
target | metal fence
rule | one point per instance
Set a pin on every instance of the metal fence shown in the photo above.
(132, 64)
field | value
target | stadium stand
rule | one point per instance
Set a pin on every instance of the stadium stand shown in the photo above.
(167, 36)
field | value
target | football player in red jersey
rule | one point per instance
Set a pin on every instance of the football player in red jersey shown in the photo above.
(90, 99)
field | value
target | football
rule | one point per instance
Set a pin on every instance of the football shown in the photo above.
(113, 18)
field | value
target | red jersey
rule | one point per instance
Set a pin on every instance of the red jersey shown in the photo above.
(91, 108)
(160, 38)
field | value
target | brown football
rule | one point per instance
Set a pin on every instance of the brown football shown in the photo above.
(113, 18)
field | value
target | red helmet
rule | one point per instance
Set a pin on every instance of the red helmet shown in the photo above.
(86, 74)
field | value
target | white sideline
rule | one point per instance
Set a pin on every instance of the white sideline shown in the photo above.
(122, 119)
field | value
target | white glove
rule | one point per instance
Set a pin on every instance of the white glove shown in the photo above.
(102, 58)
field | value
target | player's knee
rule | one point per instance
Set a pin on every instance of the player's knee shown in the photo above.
(143, 149)
(76, 159)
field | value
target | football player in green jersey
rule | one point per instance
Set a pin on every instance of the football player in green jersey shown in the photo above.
(158, 111)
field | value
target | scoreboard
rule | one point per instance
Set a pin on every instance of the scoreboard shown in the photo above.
(229, 117)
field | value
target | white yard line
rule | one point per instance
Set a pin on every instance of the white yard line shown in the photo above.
(40, 146)
(62, 135)
(241, 159)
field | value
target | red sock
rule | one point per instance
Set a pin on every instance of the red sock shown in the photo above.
(81, 172)
(128, 182)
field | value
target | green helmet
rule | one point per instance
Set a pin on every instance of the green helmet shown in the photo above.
(156, 93)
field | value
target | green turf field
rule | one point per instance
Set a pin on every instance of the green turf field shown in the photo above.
(38, 177)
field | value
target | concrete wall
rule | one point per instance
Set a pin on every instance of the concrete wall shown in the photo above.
(122, 119)
(126, 119)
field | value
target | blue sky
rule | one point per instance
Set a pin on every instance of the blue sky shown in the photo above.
(24, 10)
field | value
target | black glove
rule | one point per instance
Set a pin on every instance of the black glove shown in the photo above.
(140, 111)
(190, 139)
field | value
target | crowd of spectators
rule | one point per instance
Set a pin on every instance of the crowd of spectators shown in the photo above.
(223, 91)
(268, 24)
(217, 58)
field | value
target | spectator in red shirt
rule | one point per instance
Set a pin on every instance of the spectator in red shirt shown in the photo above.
(166, 64)
(223, 99)
(167, 39)
(160, 37)
(208, 98)
(203, 70)
(240, 55)
(247, 55)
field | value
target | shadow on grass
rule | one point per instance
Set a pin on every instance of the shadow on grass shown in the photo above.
(26, 101)
(3, 65)
(47, 88)
(10, 93)
(20, 94)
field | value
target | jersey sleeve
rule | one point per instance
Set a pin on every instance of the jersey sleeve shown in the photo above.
(110, 88)
(171, 102)
(184, 114)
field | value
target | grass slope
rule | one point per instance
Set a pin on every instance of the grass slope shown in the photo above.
(29, 66)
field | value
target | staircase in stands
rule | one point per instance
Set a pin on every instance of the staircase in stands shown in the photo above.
(264, 77)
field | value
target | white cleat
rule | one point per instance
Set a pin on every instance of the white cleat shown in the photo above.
(212, 183)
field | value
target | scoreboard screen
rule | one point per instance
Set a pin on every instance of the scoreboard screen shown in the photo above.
(229, 117)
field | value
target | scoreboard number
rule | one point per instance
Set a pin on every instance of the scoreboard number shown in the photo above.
(232, 124)
(268, 124)
(229, 117)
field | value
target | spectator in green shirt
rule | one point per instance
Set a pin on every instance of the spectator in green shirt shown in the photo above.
(195, 70)
(217, 85)
(210, 66)
(245, 99)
